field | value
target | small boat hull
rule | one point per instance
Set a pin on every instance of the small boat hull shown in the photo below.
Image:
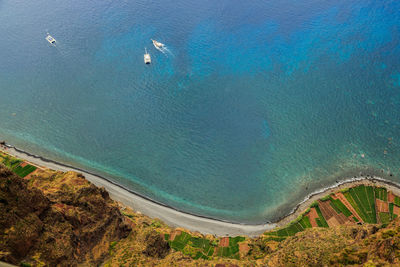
(147, 59)
(157, 45)
(51, 40)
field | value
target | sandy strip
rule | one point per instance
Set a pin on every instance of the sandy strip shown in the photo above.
(170, 216)
(175, 218)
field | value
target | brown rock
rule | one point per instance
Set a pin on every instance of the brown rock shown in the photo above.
(156, 245)
(53, 222)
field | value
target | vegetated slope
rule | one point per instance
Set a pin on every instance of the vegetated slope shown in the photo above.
(53, 218)
(68, 221)
(366, 245)
(356, 245)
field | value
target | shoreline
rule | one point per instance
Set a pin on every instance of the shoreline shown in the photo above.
(149, 207)
(195, 223)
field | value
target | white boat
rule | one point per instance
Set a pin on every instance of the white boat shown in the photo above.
(147, 58)
(157, 45)
(50, 39)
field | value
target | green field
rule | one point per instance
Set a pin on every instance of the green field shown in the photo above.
(196, 247)
(397, 201)
(14, 165)
(321, 220)
(340, 207)
(381, 193)
(362, 198)
(384, 217)
(296, 226)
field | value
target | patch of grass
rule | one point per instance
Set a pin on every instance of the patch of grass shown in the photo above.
(228, 252)
(397, 201)
(282, 232)
(384, 217)
(349, 197)
(344, 190)
(322, 221)
(381, 193)
(391, 206)
(155, 224)
(319, 223)
(326, 198)
(298, 225)
(233, 241)
(180, 241)
(195, 247)
(363, 201)
(305, 222)
(371, 201)
(112, 247)
(24, 171)
(340, 207)
(354, 196)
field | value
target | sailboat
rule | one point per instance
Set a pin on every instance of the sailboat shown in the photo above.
(157, 45)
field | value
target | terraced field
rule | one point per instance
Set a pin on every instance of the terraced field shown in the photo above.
(197, 247)
(22, 169)
(355, 205)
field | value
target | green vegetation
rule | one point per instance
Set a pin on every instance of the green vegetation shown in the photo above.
(194, 247)
(397, 201)
(381, 193)
(340, 207)
(362, 198)
(320, 220)
(326, 198)
(14, 165)
(391, 210)
(384, 217)
(233, 241)
(197, 247)
(24, 171)
(113, 244)
(301, 223)
(156, 224)
(228, 252)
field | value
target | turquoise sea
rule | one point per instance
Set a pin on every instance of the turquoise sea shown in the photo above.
(255, 105)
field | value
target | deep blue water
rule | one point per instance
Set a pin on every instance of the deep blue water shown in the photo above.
(258, 103)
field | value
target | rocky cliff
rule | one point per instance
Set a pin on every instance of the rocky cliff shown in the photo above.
(60, 219)
(56, 218)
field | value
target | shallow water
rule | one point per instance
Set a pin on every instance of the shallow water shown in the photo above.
(257, 104)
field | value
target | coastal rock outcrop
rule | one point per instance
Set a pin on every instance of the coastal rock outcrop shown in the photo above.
(156, 245)
(56, 218)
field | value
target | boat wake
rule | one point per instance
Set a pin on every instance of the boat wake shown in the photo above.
(162, 48)
(168, 51)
